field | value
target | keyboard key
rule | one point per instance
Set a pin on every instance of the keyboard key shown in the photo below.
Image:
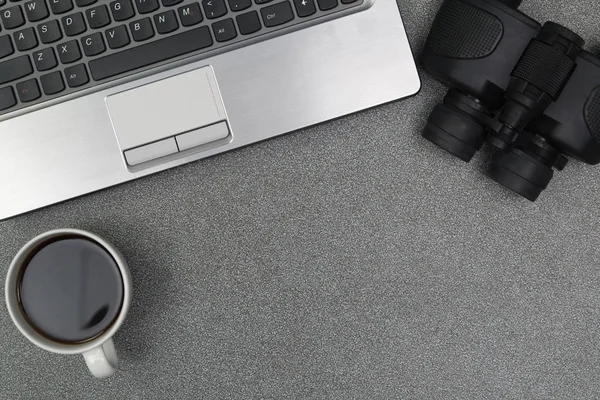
(6, 48)
(7, 98)
(14, 69)
(166, 22)
(277, 14)
(97, 17)
(76, 75)
(239, 5)
(224, 30)
(52, 83)
(325, 5)
(248, 23)
(28, 90)
(190, 14)
(2, 2)
(36, 10)
(74, 24)
(12, 17)
(68, 52)
(25, 39)
(93, 44)
(44, 59)
(214, 8)
(122, 10)
(168, 3)
(84, 3)
(151, 53)
(304, 8)
(49, 32)
(141, 30)
(146, 6)
(117, 37)
(61, 6)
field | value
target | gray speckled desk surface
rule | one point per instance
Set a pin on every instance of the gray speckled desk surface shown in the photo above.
(352, 260)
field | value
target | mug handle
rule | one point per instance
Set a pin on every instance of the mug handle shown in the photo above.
(102, 360)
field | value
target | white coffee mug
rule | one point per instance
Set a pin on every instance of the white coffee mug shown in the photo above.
(99, 353)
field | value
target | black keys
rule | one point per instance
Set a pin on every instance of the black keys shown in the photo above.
(214, 8)
(73, 24)
(2, 2)
(76, 75)
(277, 14)
(168, 3)
(122, 10)
(248, 23)
(36, 10)
(117, 37)
(12, 17)
(7, 98)
(85, 3)
(25, 39)
(166, 22)
(141, 30)
(190, 14)
(325, 5)
(60, 6)
(44, 59)
(304, 8)
(146, 6)
(224, 30)
(97, 17)
(49, 32)
(151, 53)
(93, 44)
(6, 47)
(68, 52)
(14, 69)
(239, 5)
(28, 90)
(52, 83)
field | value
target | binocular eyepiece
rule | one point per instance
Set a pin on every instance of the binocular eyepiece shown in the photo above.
(530, 91)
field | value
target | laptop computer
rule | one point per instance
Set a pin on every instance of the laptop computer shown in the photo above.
(94, 93)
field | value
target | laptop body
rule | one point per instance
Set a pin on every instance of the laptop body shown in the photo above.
(158, 101)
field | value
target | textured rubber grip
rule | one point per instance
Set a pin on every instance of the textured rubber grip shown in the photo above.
(592, 113)
(463, 31)
(544, 67)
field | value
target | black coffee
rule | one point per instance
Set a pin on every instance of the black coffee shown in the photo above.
(71, 289)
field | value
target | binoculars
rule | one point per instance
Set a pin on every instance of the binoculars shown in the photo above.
(530, 91)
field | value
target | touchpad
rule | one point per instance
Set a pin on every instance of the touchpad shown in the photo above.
(168, 116)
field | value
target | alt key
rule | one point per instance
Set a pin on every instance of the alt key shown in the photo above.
(76, 75)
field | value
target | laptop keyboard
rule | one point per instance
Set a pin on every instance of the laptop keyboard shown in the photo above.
(52, 48)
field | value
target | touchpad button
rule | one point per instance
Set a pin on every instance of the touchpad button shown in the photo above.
(166, 108)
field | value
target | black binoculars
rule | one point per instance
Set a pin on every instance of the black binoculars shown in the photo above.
(531, 91)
